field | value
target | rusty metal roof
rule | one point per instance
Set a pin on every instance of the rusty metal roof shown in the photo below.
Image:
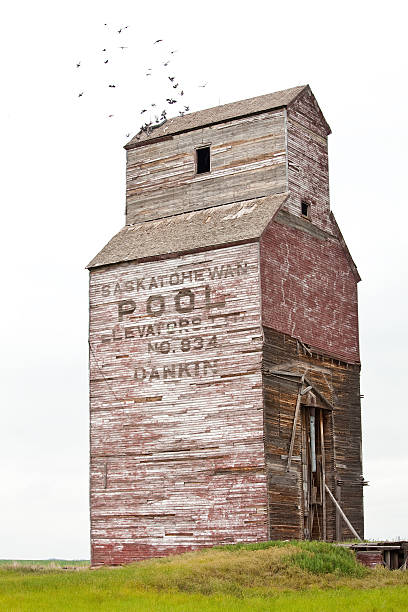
(202, 229)
(217, 114)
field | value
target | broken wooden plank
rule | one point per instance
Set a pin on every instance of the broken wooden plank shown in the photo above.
(321, 396)
(295, 418)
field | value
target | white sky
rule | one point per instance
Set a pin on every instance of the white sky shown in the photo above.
(63, 197)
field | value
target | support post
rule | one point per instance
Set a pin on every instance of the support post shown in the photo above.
(344, 517)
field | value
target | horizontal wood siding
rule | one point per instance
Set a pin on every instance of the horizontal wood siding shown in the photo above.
(308, 169)
(177, 456)
(248, 160)
(339, 383)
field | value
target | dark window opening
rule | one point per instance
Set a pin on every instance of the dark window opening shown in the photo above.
(203, 160)
(305, 209)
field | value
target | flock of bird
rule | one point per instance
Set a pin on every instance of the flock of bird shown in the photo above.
(157, 112)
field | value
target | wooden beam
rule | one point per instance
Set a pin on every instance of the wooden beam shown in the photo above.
(338, 517)
(295, 418)
(344, 517)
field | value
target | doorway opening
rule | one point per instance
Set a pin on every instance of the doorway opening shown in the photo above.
(314, 457)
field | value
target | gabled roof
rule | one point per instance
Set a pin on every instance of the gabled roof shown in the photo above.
(208, 228)
(218, 114)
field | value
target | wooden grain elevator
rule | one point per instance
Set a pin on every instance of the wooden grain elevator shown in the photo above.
(223, 336)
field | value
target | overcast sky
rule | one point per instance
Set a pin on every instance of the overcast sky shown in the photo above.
(63, 197)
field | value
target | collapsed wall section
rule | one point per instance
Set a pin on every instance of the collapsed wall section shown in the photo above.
(339, 383)
(177, 455)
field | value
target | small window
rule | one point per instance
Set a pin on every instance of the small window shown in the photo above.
(203, 160)
(305, 209)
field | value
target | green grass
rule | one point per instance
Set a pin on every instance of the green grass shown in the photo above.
(285, 576)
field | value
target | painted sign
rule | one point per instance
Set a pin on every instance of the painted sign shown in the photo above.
(173, 318)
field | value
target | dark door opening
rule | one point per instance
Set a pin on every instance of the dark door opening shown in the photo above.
(314, 473)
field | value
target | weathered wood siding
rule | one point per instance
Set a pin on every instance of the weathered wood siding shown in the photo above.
(248, 160)
(177, 454)
(309, 290)
(339, 382)
(308, 168)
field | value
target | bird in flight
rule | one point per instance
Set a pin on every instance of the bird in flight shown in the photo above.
(122, 48)
(127, 135)
(153, 104)
(203, 85)
(103, 49)
(166, 63)
(175, 86)
(78, 64)
(181, 93)
(110, 116)
(81, 93)
(171, 78)
(157, 41)
(112, 85)
(171, 100)
(143, 111)
(186, 108)
(173, 52)
(106, 61)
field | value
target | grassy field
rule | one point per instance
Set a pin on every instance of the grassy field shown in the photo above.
(284, 576)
